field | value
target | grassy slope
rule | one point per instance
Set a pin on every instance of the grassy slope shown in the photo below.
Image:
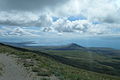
(44, 65)
(108, 64)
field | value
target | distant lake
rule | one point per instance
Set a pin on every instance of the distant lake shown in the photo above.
(88, 41)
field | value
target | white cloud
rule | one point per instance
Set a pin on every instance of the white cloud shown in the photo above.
(85, 27)
(16, 31)
(104, 11)
(24, 19)
(64, 25)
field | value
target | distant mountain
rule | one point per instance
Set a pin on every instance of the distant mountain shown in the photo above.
(72, 46)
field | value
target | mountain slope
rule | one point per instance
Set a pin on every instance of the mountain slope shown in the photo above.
(44, 65)
(102, 60)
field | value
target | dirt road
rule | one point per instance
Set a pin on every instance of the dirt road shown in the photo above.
(11, 70)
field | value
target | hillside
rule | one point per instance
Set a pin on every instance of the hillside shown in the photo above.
(102, 60)
(52, 69)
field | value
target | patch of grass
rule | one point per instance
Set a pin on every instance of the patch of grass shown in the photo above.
(43, 73)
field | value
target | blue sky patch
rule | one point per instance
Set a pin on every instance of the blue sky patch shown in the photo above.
(55, 19)
(74, 18)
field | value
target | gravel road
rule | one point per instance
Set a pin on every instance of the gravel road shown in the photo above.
(11, 70)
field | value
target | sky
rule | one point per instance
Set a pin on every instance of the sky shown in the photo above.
(41, 17)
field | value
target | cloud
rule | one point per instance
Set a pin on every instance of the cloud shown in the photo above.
(40, 13)
(64, 25)
(29, 5)
(14, 18)
(85, 27)
(103, 10)
(16, 31)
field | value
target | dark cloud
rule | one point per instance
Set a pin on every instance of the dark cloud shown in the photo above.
(28, 5)
(114, 18)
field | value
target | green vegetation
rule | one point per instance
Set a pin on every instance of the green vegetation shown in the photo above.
(44, 65)
(97, 62)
